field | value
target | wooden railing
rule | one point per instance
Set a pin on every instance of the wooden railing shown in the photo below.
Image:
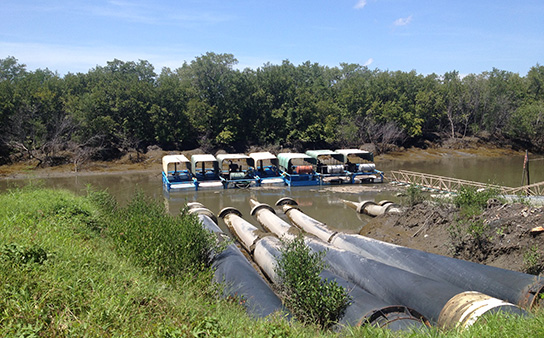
(449, 184)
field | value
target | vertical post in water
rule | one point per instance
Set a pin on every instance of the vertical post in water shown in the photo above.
(525, 168)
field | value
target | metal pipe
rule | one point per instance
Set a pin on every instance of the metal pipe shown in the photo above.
(241, 280)
(519, 288)
(375, 311)
(372, 208)
(266, 216)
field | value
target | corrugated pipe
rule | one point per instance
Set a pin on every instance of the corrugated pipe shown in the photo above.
(515, 287)
(365, 308)
(232, 269)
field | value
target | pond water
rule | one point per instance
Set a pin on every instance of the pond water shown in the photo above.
(324, 204)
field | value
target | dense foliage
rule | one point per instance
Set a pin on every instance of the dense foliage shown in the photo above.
(208, 103)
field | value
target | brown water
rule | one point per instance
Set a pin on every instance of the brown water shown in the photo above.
(323, 204)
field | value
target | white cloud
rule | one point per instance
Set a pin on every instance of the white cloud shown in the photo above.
(368, 62)
(74, 59)
(403, 21)
(360, 4)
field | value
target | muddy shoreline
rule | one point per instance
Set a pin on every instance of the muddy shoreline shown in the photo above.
(151, 162)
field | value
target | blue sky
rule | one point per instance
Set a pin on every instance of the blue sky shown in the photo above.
(422, 35)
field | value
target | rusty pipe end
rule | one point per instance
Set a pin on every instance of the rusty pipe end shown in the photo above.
(229, 210)
(533, 295)
(465, 308)
(286, 201)
(203, 211)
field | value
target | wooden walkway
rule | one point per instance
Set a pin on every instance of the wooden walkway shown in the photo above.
(448, 184)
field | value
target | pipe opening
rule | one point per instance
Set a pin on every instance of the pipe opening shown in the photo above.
(390, 314)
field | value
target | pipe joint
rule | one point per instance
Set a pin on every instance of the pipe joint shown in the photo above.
(203, 211)
(229, 210)
(363, 205)
(262, 206)
(286, 201)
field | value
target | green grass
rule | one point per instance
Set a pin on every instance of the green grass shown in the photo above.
(66, 272)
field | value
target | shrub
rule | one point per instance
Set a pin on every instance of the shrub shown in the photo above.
(474, 200)
(414, 195)
(171, 246)
(309, 298)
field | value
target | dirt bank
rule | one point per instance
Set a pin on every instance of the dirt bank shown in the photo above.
(504, 235)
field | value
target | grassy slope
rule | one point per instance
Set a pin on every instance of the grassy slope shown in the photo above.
(61, 277)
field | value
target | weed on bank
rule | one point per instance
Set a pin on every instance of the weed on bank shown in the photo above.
(85, 267)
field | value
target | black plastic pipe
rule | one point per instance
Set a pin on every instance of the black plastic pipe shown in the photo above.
(519, 288)
(431, 298)
(364, 308)
(240, 278)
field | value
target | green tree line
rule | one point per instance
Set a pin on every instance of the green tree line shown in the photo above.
(210, 104)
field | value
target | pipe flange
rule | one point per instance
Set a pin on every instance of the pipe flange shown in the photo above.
(261, 206)
(194, 205)
(229, 210)
(384, 202)
(363, 204)
(286, 200)
(204, 212)
(392, 206)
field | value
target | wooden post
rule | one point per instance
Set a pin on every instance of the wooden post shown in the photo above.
(527, 167)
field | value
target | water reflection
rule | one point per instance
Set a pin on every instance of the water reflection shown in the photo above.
(322, 204)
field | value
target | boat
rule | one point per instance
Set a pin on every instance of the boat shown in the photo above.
(298, 169)
(236, 171)
(360, 164)
(330, 167)
(176, 173)
(266, 168)
(205, 169)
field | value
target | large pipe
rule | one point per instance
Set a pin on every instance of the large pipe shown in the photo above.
(431, 298)
(266, 216)
(364, 308)
(231, 268)
(519, 288)
(372, 208)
